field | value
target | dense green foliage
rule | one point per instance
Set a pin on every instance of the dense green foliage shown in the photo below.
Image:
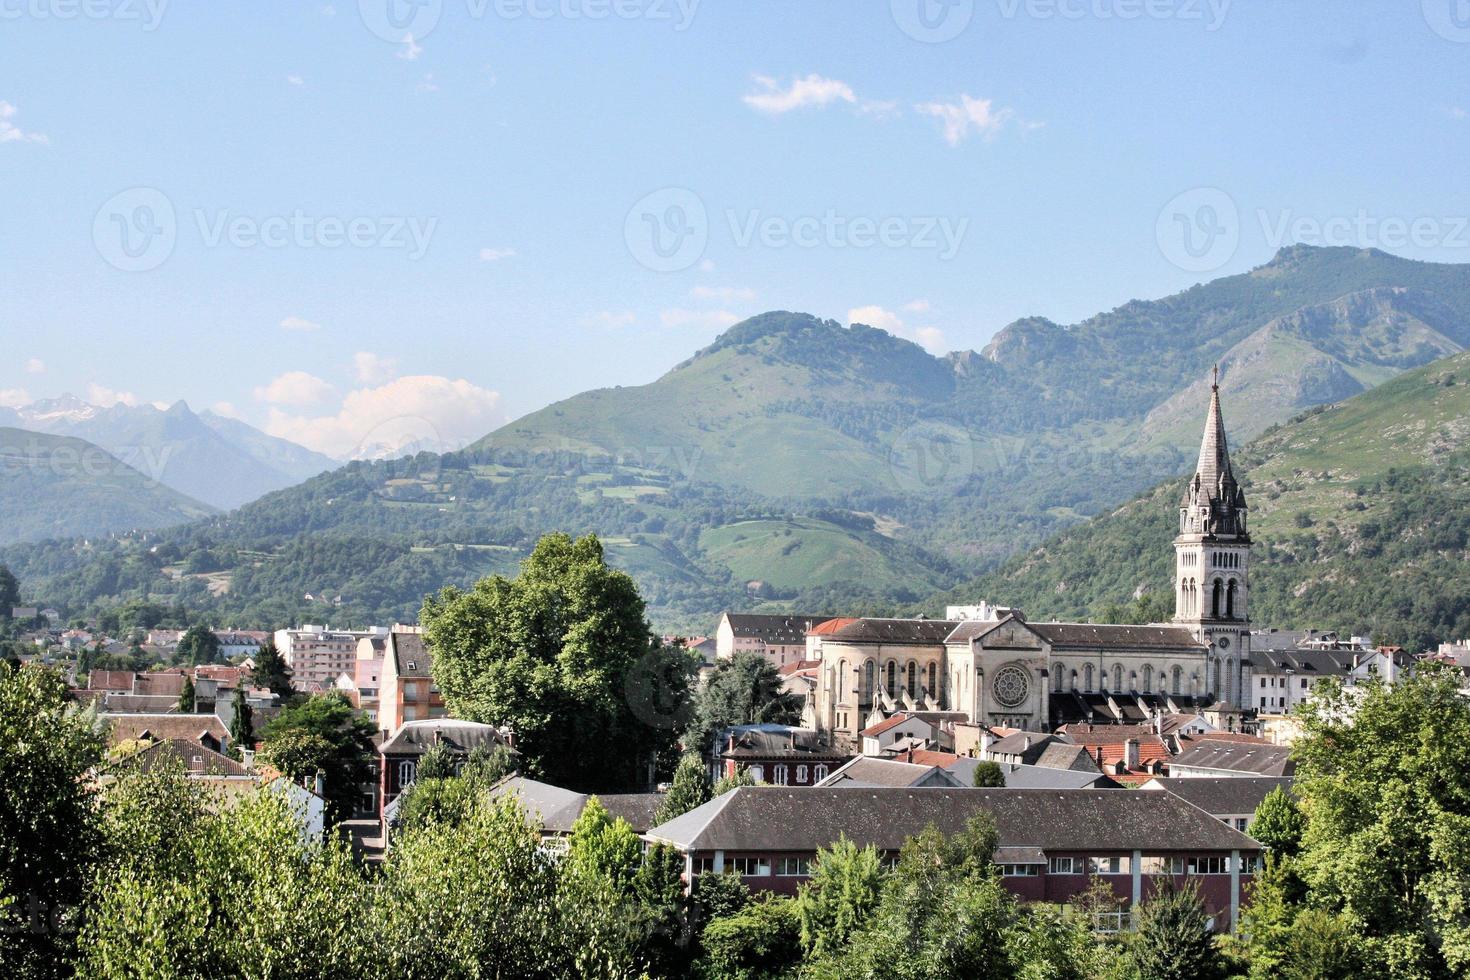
(198, 645)
(563, 655)
(270, 670)
(323, 736)
(744, 690)
(690, 788)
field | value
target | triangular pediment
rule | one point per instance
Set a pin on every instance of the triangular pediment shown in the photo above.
(1011, 633)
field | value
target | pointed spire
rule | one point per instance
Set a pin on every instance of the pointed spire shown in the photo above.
(1214, 451)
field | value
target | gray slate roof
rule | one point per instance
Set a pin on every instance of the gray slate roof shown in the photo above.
(866, 770)
(557, 808)
(1254, 757)
(777, 818)
(415, 737)
(412, 654)
(1091, 636)
(1227, 794)
(781, 630)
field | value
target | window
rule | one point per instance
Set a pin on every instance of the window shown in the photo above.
(1250, 864)
(892, 678)
(779, 775)
(1263, 702)
(1205, 865)
(801, 775)
(406, 771)
(758, 773)
(1066, 866)
(1020, 870)
(1148, 679)
(749, 867)
(933, 680)
(1178, 676)
(1151, 865)
(1118, 677)
(1304, 683)
(1241, 823)
(913, 680)
(1109, 865)
(819, 774)
(869, 672)
(703, 865)
(1088, 687)
(793, 867)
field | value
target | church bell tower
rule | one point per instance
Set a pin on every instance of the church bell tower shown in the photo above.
(1212, 564)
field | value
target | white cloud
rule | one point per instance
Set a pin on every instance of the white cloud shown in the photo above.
(960, 119)
(410, 413)
(496, 254)
(929, 338)
(813, 90)
(227, 409)
(608, 319)
(295, 388)
(723, 294)
(14, 397)
(105, 397)
(411, 49)
(299, 323)
(707, 265)
(11, 133)
(295, 80)
(35, 366)
(372, 369)
(917, 306)
(716, 319)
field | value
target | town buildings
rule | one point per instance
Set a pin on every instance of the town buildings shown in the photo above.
(781, 639)
(406, 688)
(317, 654)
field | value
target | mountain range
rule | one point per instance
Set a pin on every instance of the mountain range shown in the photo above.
(219, 461)
(797, 461)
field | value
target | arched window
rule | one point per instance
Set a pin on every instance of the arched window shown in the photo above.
(1218, 692)
(869, 670)
(933, 680)
(1215, 603)
(913, 680)
(406, 771)
(1178, 679)
(1088, 687)
(892, 678)
(1117, 678)
(1148, 679)
(841, 679)
(1073, 688)
(1230, 600)
(1056, 679)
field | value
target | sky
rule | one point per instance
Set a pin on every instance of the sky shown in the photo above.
(320, 218)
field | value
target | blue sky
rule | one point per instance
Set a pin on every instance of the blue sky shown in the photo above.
(1047, 160)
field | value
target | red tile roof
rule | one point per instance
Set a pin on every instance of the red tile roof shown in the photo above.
(830, 626)
(927, 757)
(883, 726)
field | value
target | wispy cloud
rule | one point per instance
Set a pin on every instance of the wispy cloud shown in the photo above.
(299, 323)
(704, 319)
(371, 368)
(813, 90)
(411, 49)
(35, 366)
(427, 84)
(11, 133)
(496, 254)
(968, 115)
(105, 397)
(14, 397)
(609, 319)
(295, 388)
(929, 338)
(917, 306)
(295, 80)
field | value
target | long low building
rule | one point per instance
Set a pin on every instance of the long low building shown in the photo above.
(1051, 841)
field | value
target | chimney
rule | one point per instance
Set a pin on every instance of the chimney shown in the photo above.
(1025, 743)
(1130, 753)
(319, 786)
(985, 739)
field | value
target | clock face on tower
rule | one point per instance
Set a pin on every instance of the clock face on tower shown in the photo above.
(1010, 686)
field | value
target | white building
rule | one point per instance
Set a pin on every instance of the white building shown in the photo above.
(318, 654)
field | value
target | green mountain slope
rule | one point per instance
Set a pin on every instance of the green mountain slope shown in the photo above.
(57, 487)
(1360, 513)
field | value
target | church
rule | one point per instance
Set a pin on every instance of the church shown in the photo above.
(990, 666)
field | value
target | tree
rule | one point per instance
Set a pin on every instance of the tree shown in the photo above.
(9, 592)
(48, 822)
(323, 735)
(840, 896)
(989, 773)
(724, 784)
(242, 722)
(1385, 775)
(437, 762)
(1279, 823)
(602, 845)
(756, 943)
(691, 788)
(271, 671)
(563, 654)
(744, 690)
(1172, 939)
(186, 696)
(198, 645)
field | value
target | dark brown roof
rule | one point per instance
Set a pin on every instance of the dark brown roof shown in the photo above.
(870, 771)
(778, 743)
(925, 631)
(159, 684)
(784, 629)
(126, 727)
(1226, 795)
(636, 808)
(776, 818)
(1261, 758)
(415, 737)
(412, 654)
(1091, 636)
(195, 758)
